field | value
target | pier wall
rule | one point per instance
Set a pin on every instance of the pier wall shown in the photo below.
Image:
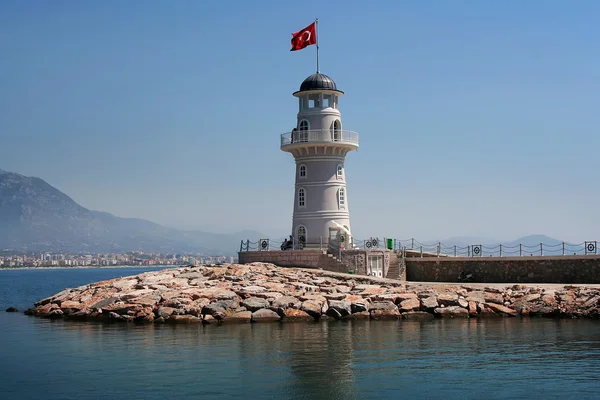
(355, 260)
(545, 269)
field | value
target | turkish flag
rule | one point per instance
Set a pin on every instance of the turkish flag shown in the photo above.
(303, 38)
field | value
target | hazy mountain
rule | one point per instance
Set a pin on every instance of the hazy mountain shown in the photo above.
(35, 216)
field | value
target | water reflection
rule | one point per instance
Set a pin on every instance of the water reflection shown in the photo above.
(338, 360)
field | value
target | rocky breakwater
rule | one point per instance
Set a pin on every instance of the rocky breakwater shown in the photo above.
(261, 292)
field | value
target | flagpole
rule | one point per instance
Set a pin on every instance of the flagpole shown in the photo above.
(317, 39)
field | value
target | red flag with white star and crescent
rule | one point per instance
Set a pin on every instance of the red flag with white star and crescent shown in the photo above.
(304, 38)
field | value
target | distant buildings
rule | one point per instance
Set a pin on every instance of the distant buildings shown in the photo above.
(104, 260)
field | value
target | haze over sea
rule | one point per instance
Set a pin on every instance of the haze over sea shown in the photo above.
(466, 359)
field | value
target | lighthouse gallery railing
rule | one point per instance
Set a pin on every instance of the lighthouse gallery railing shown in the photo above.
(319, 136)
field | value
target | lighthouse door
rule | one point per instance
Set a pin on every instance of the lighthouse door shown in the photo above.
(375, 266)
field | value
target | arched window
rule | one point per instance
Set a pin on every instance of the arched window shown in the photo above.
(301, 235)
(301, 197)
(337, 131)
(302, 171)
(342, 198)
(303, 131)
(340, 171)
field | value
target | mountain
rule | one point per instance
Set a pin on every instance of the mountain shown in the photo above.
(35, 216)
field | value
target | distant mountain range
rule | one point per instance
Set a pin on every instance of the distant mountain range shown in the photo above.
(35, 216)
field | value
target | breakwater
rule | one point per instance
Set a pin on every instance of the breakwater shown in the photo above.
(527, 269)
(261, 292)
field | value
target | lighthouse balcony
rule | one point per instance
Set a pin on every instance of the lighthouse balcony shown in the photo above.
(319, 137)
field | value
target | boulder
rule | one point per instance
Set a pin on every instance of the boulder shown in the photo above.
(208, 319)
(452, 312)
(294, 315)
(12, 309)
(409, 304)
(265, 315)
(358, 315)
(216, 310)
(239, 317)
(122, 308)
(342, 307)
(448, 299)
(255, 303)
(476, 296)
(383, 305)
(285, 302)
(385, 314)
(493, 298)
(472, 307)
(312, 308)
(428, 303)
(71, 305)
(503, 310)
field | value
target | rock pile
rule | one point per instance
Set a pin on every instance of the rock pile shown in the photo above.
(262, 292)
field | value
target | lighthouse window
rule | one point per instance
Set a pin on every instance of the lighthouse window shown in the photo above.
(301, 197)
(313, 100)
(303, 131)
(340, 171)
(302, 171)
(327, 101)
(342, 197)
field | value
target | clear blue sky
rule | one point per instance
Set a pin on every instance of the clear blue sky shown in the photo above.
(475, 118)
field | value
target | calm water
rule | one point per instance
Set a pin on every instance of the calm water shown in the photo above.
(508, 358)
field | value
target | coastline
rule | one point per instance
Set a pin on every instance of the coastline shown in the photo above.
(260, 292)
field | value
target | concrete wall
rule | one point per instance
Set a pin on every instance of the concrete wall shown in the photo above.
(355, 260)
(549, 269)
(293, 258)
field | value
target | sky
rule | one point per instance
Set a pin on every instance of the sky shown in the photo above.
(475, 118)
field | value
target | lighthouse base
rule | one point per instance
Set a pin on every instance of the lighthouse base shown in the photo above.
(382, 263)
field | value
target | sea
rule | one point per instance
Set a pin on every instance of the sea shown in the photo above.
(508, 358)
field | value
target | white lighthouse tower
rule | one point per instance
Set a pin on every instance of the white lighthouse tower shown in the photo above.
(319, 146)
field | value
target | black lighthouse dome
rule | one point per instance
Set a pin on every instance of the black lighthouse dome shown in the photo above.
(318, 81)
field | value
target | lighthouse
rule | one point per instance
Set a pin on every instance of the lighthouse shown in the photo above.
(319, 145)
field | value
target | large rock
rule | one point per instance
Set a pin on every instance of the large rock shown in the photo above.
(383, 305)
(285, 302)
(448, 299)
(409, 304)
(240, 317)
(255, 303)
(293, 315)
(452, 312)
(341, 307)
(502, 309)
(312, 308)
(361, 315)
(265, 315)
(493, 298)
(385, 314)
(429, 303)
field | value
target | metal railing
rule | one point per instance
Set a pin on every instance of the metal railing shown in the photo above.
(500, 249)
(436, 249)
(319, 136)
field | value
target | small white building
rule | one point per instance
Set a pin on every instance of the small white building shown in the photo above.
(319, 145)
